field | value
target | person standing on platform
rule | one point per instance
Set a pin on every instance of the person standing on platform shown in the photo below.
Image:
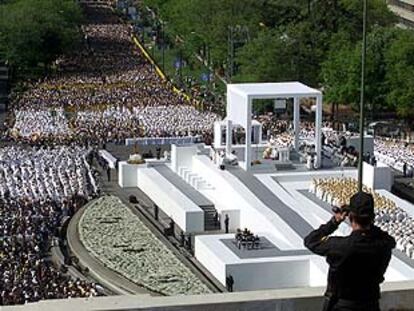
(357, 263)
(226, 223)
(158, 152)
(182, 238)
(108, 173)
(229, 283)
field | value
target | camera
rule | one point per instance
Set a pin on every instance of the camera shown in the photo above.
(344, 209)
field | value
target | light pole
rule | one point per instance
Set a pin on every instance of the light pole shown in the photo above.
(208, 67)
(361, 107)
(230, 64)
(163, 45)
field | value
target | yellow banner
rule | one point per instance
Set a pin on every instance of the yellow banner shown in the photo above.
(159, 71)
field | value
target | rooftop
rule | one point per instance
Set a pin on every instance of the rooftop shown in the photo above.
(282, 89)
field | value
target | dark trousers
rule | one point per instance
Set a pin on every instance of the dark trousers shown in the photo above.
(347, 305)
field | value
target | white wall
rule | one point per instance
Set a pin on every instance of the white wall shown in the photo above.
(181, 156)
(368, 143)
(378, 177)
(251, 274)
(127, 174)
(284, 273)
(212, 261)
(185, 213)
(307, 176)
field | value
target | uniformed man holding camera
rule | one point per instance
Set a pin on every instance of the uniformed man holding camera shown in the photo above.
(357, 262)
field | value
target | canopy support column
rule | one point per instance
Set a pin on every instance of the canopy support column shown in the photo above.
(318, 131)
(248, 130)
(296, 121)
(229, 136)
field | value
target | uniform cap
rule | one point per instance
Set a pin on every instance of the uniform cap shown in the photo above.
(362, 204)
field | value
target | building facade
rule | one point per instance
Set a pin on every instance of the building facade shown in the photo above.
(404, 9)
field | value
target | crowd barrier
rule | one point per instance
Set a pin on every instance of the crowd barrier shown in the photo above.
(162, 140)
(158, 69)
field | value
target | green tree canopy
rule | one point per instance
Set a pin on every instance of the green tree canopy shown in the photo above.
(277, 55)
(399, 76)
(341, 71)
(34, 32)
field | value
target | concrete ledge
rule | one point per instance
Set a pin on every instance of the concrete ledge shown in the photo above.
(396, 296)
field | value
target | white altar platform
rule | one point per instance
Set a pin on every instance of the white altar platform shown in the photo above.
(293, 267)
(276, 205)
(276, 269)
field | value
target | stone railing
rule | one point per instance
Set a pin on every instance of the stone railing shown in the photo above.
(396, 296)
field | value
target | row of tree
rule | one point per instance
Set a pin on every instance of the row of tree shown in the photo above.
(33, 33)
(315, 41)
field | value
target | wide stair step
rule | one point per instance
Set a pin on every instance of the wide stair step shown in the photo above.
(198, 183)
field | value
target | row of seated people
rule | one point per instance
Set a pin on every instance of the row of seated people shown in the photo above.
(388, 216)
(38, 188)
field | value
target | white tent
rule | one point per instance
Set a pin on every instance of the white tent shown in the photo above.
(239, 110)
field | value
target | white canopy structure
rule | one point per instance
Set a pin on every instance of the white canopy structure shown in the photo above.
(239, 110)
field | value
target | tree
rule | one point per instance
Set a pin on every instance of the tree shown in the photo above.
(399, 76)
(341, 72)
(281, 55)
(34, 32)
(209, 21)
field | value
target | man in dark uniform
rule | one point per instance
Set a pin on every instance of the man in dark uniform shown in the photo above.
(226, 223)
(108, 173)
(357, 262)
(229, 283)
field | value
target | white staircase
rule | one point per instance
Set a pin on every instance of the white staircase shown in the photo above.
(193, 179)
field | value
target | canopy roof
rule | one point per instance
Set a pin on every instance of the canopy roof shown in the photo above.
(266, 90)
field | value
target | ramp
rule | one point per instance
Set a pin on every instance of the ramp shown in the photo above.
(289, 216)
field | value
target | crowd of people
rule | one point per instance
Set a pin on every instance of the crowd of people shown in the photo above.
(397, 154)
(388, 216)
(45, 173)
(107, 91)
(38, 188)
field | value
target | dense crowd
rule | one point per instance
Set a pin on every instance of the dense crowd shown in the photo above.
(107, 91)
(38, 187)
(397, 154)
(388, 216)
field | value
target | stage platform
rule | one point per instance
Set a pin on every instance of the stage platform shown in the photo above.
(275, 205)
(281, 200)
(171, 200)
(267, 268)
